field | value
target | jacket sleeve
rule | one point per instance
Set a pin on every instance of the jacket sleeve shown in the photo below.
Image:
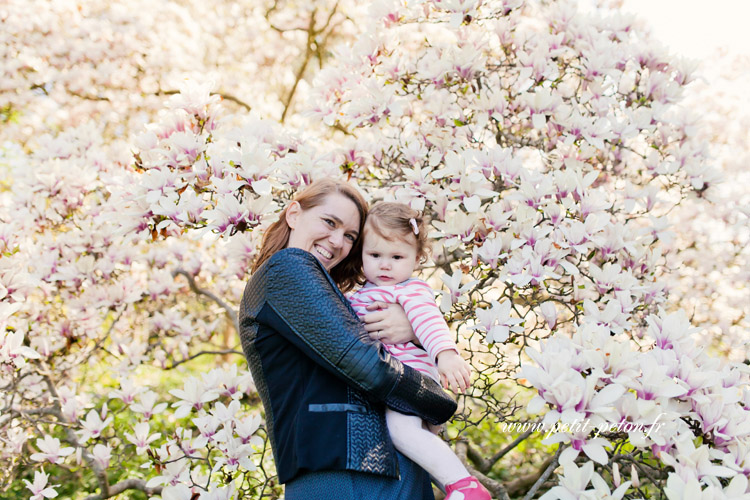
(320, 321)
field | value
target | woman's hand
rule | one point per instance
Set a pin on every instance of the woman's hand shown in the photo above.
(388, 323)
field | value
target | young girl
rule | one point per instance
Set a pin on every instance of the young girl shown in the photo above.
(394, 244)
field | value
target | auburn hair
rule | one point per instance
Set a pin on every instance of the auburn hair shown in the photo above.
(347, 273)
(396, 220)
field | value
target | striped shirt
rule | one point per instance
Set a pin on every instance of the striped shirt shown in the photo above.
(418, 301)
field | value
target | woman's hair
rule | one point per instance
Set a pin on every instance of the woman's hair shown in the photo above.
(347, 273)
(390, 219)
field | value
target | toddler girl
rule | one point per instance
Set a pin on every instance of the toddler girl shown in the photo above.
(394, 243)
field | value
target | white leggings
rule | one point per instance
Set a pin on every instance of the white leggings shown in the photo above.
(425, 448)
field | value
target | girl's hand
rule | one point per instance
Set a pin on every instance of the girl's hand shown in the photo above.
(435, 429)
(388, 324)
(455, 372)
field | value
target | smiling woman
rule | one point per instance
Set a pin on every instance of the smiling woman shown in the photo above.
(324, 384)
(301, 225)
(328, 231)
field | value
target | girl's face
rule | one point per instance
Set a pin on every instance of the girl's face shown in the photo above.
(328, 231)
(388, 262)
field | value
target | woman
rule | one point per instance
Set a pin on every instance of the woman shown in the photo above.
(324, 384)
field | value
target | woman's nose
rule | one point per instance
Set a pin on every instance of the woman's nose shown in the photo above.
(336, 238)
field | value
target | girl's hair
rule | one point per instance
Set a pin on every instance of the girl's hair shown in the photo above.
(348, 272)
(396, 220)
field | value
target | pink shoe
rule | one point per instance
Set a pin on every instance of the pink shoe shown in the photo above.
(467, 488)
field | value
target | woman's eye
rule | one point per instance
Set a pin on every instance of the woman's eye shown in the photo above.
(351, 238)
(330, 222)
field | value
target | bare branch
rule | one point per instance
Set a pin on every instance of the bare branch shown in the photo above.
(226, 351)
(523, 483)
(341, 128)
(223, 95)
(32, 411)
(229, 97)
(312, 47)
(309, 51)
(496, 487)
(88, 97)
(546, 474)
(104, 337)
(500, 454)
(128, 484)
(194, 287)
(473, 454)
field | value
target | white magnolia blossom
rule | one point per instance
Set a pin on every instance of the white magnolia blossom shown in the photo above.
(39, 488)
(496, 322)
(142, 437)
(50, 449)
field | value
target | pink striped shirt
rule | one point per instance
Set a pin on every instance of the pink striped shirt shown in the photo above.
(418, 301)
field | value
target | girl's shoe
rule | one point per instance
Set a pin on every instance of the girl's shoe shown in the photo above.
(467, 488)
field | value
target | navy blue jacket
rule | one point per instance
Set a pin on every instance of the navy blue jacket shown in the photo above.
(322, 381)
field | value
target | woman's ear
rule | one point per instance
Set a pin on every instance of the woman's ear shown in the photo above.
(293, 211)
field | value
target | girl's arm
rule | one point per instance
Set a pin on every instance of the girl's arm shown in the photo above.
(418, 301)
(430, 328)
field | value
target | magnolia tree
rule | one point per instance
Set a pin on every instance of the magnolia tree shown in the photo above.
(95, 318)
(720, 230)
(547, 145)
(70, 62)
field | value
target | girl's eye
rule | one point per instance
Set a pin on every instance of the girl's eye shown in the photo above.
(351, 238)
(374, 255)
(397, 257)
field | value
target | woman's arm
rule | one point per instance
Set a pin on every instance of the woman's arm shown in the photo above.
(303, 305)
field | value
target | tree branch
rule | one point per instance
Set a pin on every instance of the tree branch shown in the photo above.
(500, 454)
(226, 351)
(194, 287)
(496, 487)
(523, 483)
(226, 97)
(485, 464)
(551, 465)
(309, 51)
(230, 97)
(128, 484)
(32, 411)
(87, 97)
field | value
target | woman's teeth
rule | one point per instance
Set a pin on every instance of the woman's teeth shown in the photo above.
(325, 253)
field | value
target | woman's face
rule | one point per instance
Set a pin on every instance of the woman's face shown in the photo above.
(328, 231)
